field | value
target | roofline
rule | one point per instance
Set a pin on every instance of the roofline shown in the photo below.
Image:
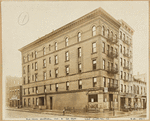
(98, 10)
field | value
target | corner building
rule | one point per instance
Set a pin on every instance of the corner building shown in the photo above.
(75, 66)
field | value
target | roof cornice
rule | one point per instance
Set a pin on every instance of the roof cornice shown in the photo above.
(97, 12)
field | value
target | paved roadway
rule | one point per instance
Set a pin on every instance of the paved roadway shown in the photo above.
(27, 115)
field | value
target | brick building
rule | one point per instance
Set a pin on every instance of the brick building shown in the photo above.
(15, 96)
(79, 65)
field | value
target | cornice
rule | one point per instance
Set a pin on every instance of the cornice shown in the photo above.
(87, 17)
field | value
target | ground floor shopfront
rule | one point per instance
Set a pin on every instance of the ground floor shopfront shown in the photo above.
(15, 103)
(131, 101)
(79, 100)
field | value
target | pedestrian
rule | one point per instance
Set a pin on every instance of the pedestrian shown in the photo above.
(64, 111)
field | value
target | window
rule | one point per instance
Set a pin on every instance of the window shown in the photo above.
(125, 88)
(50, 73)
(56, 46)
(50, 87)
(103, 44)
(94, 64)
(121, 61)
(137, 89)
(35, 54)
(56, 73)
(49, 60)
(79, 52)
(24, 70)
(24, 92)
(103, 64)
(123, 36)
(80, 84)
(67, 70)
(104, 81)
(94, 47)
(108, 33)
(33, 100)
(79, 37)
(56, 87)
(28, 57)
(108, 65)
(32, 89)
(44, 51)
(32, 54)
(93, 30)
(120, 35)
(121, 87)
(36, 66)
(45, 88)
(93, 98)
(56, 59)
(44, 75)
(24, 101)
(124, 63)
(79, 68)
(121, 74)
(108, 48)
(28, 101)
(24, 80)
(125, 75)
(103, 31)
(28, 90)
(111, 34)
(124, 50)
(66, 41)
(67, 85)
(44, 63)
(28, 79)
(67, 56)
(32, 66)
(36, 77)
(37, 103)
(49, 47)
(28, 68)
(32, 77)
(36, 89)
(94, 81)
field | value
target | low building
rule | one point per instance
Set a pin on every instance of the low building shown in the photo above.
(15, 96)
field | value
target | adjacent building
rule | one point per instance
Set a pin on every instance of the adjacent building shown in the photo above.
(86, 63)
(15, 96)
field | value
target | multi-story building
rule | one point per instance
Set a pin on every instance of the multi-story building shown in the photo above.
(11, 82)
(140, 90)
(15, 96)
(126, 68)
(77, 65)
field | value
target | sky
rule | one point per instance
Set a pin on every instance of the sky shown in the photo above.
(46, 16)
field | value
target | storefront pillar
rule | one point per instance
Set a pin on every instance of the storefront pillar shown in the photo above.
(100, 102)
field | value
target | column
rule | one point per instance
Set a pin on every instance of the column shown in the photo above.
(132, 102)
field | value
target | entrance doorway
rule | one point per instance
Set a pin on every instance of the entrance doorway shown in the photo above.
(51, 103)
(110, 100)
(122, 102)
(144, 104)
(41, 100)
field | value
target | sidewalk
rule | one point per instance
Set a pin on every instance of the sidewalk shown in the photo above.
(108, 114)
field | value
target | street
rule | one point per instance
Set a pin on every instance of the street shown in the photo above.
(27, 115)
(52, 116)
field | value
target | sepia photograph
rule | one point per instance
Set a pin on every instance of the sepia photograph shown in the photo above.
(75, 60)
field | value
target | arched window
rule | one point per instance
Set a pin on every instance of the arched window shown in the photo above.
(28, 57)
(35, 54)
(108, 33)
(55, 45)
(44, 51)
(103, 31)
(66, 41)
(93, 30)
(111, 34)
(79, 37)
